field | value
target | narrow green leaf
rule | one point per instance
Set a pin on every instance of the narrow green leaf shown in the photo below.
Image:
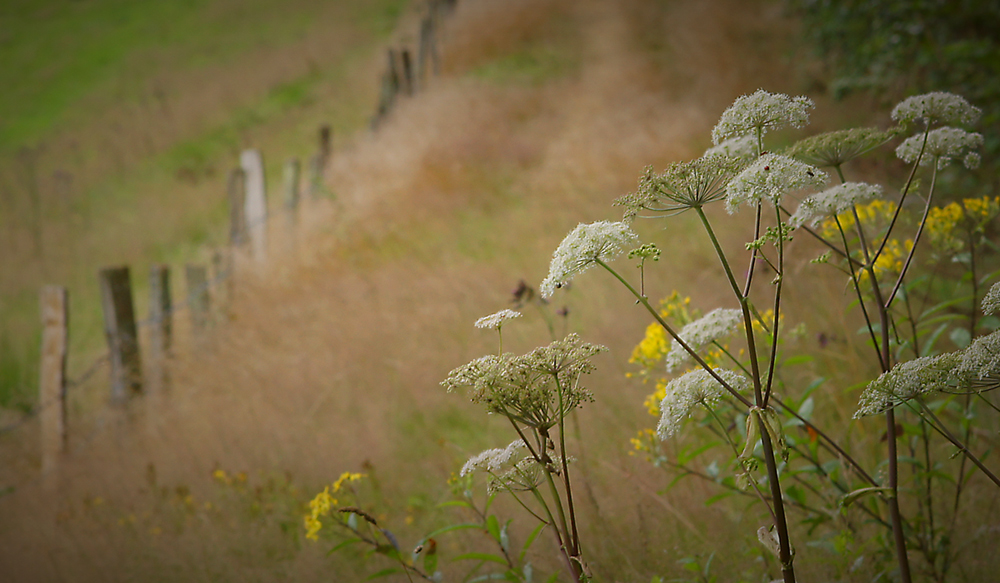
(480, 557)
(849, 498)
(383, 573)
(531, 539)
(493, 527)
(451, 527)
(343, 544)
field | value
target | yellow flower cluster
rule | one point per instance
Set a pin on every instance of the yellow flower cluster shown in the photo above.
(890, 261)
(655, 345)
(321, 505)
(643, 442)
(972, 214)
(873, 215)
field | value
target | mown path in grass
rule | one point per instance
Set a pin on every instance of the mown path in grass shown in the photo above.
(331, 356)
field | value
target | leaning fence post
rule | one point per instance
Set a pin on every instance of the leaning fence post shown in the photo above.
(160, 329)
(120, 330)
(196, 277)
(236, 191)
(407, 72)
(255, 202)
(325, 147)
(291, 180)
(53, 301)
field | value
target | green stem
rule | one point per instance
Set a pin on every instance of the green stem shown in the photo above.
(659, 320)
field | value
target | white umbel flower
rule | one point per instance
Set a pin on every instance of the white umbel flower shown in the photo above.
(697, 387)
(493, 460)
(496, 320)
(743, 149)
(991, 302)
(832, 202)
(770, 177)
(716, 324)
(938, 107)
(582, 248)
(980, 360)
(761, 110)
(943, 145)
(905, 381)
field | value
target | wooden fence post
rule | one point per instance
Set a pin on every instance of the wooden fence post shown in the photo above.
(291, 180)
(325, 148)
(314, 180)
(407, 72)
(255, 203)
(236, 191)
(119, 328)
(54, 305)
(196, 277)
(160, 329)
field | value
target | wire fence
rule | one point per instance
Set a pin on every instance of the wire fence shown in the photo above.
(403, 76)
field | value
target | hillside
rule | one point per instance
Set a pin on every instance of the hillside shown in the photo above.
(328, 358)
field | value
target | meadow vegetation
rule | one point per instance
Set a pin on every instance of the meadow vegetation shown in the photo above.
(311, 437)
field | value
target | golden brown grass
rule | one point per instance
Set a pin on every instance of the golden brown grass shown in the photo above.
(329, 359)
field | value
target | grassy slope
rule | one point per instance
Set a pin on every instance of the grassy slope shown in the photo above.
(546, 112)
(122, 121)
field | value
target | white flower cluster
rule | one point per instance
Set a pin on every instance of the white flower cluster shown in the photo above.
(694, 388)
(582, 248)
(991, 302)
(980, 360)
(938, 107)
(761, 111)
(832, 202)
(905, 381)
(943, 145)
(716, 324)
(493, 460)
(743, 148)
(496, 320)
(770, 177)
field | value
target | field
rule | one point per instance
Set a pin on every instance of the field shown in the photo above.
(329, 358)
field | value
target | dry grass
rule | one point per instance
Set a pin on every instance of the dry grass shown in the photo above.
(330, 358)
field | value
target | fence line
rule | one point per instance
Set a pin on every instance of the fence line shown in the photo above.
(249, 221)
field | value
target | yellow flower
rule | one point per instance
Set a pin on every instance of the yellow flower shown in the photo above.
(653, 400)
(873, 215)
(971, 215)
(346, 477)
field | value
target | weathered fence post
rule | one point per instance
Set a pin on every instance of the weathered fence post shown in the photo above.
(407, 72)
(236, 191)
(54, 305)
(119, 328)
(291, 180)
(325, 148)
(196, 278)
(255, 202)
(314, 181)
(160, 329)
(427, 51)
(221, 278)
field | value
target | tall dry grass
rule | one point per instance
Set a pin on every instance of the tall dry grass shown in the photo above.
(329, 359)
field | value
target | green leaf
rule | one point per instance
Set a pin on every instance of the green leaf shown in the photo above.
(383, 573)
(493, 527)
(849, 498)
(452, 527)
(531, 539)
(430, 562)
(344, 544)
(718, 497)
(961, 337)
(798, 359)
(461, 503)
(480, 557)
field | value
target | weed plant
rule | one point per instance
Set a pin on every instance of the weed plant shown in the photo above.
(922, 277)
